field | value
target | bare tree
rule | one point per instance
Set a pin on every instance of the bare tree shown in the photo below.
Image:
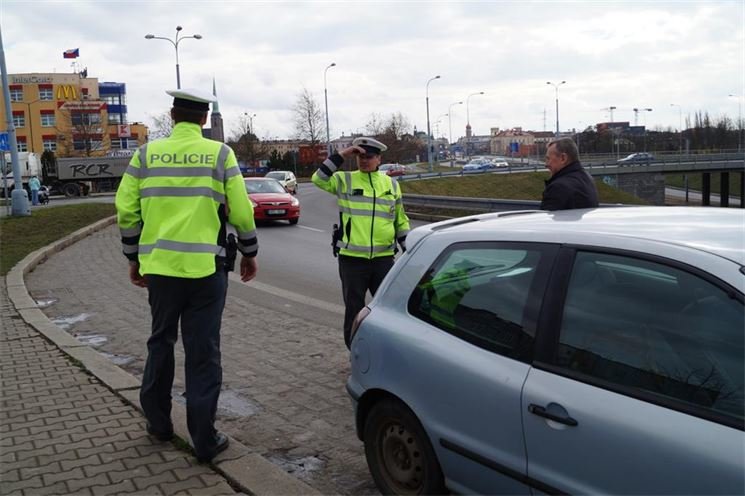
(245, 143)
(374, 126)
(308, 117)
(82, 121)
(162, 125)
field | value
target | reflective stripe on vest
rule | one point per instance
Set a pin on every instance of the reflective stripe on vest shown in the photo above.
(184, 247)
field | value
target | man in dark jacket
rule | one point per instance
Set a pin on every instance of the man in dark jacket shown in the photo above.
(570, 186)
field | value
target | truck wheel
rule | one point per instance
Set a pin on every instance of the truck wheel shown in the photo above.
(71, 189)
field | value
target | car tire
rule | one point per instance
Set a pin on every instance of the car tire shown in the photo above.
(399, 454)
(294, 221)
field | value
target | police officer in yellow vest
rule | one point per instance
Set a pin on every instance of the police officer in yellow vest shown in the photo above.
(173, 204)
(371, 221)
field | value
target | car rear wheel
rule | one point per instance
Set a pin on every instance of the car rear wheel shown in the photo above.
(399, 454)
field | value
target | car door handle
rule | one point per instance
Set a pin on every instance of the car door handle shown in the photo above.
(541, 412)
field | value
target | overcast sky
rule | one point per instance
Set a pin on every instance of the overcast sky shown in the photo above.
(644, 54)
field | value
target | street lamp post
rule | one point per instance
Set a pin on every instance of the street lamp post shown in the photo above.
(468, 122)
(680, 127)
(429, 133)
(437, 126)
(739, 121)
(614, 140)
(30, 122)
(450, 131)
(556, 87)
(636, 117)
(175, 43)
(326, 99)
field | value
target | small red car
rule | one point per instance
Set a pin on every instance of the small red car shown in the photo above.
(271, 201)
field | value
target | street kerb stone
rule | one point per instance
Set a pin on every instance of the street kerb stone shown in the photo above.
(100, 366)
(36, 319)
(262, 477)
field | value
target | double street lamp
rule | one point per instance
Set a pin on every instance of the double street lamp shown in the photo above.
(636, 118)
(326, 99)
(556, 87)
(429, 133)
(30, 122)
(468, 122)
(739, 121)
(450, 130)
(680, 127)
(175, 43)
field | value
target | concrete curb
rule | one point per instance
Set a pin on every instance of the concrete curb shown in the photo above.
(250, 472)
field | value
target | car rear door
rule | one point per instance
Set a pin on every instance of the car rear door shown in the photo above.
(477, 306)
(638, 383)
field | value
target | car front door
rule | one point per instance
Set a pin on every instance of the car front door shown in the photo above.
(641, 390)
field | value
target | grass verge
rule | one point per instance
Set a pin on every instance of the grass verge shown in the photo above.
(695, 182)
(19, 236)
(518, 186)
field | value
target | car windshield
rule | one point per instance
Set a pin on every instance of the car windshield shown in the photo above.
(263, 186)
(276, 175)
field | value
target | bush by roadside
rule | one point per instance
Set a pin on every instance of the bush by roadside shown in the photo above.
(20, 236)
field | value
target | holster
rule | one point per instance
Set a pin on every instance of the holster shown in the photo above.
(335, 236)
(231, 250)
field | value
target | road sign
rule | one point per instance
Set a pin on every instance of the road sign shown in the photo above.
(4, 142)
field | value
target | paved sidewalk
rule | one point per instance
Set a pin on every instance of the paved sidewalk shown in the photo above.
(63, 432)
(69, 417)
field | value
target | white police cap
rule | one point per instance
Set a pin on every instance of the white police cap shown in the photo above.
(189, 98)
(370, 145)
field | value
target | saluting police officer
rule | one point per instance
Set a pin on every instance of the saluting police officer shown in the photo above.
(371, 221)
(173, 204)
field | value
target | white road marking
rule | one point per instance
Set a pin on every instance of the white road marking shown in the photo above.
(289, 295)
(311, 228)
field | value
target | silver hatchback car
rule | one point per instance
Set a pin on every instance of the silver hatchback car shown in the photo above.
(582, 351)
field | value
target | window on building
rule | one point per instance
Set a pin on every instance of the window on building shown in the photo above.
(19, 119)
(48, 120)
(50, 144)
(85, 118)
(21, 144)
(46, 93)
(115, 118)
(16, 94)
(90, 143)
(116, 143)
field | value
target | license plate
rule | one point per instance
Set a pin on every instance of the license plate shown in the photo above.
(275, 212)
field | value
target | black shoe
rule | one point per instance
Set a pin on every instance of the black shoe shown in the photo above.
(160, 436)
(222, 444)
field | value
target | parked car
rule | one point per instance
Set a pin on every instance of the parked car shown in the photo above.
(286, 179)
(392, 169)
(579, 352)
(636, 158)
(271, 201)
(500, 164)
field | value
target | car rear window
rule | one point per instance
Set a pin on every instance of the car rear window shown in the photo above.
(480, 292)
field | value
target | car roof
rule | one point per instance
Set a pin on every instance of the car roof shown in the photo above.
(720, 231)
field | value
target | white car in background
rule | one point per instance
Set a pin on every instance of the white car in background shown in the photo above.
(286, 179)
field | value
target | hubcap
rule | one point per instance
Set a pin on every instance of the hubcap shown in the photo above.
(402, 458)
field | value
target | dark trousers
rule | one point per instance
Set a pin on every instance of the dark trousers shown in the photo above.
(358, 275)
(198, 303)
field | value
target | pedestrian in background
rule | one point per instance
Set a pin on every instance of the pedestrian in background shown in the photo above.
(570, 186)
(371, 221)
(173, 204)
(34, 185)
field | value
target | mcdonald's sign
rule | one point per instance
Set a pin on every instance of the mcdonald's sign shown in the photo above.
(67, 92)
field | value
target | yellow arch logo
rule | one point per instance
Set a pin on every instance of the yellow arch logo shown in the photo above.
(66, 92)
